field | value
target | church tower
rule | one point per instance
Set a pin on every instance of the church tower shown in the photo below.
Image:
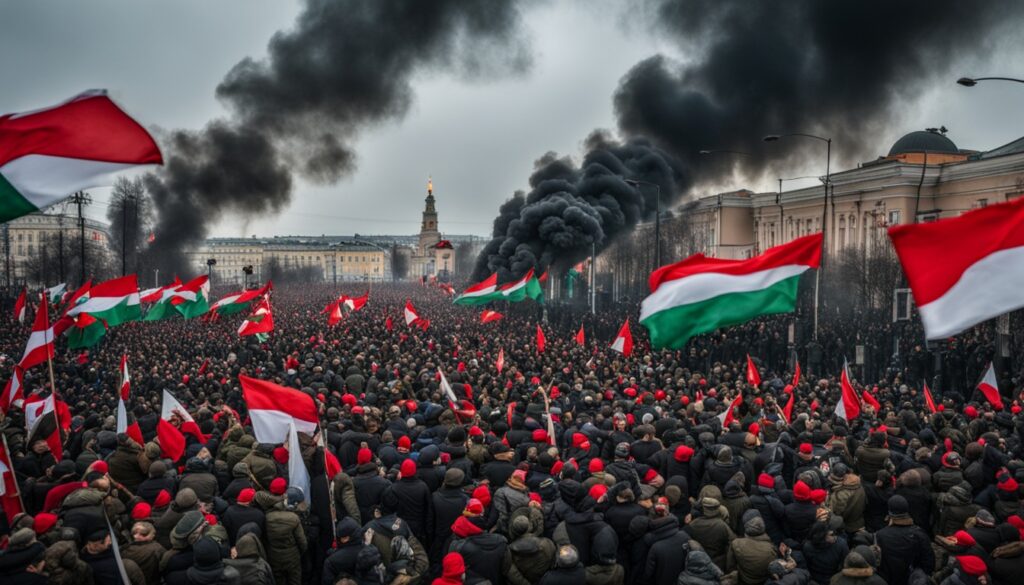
(429, 235)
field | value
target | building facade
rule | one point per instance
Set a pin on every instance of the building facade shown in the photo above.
(22, 239)
(433, 256)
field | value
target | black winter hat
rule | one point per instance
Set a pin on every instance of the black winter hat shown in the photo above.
(898, 507)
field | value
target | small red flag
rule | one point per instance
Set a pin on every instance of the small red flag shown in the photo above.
(579, 336)
(989, 386)
(541, 340)
(871, 400)
(753, 377)
(388, 324)
(500, 363)
(929, 400)
(796, 374)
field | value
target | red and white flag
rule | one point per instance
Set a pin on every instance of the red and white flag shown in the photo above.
(500, 362)
(541, 340)
(42, 423)
(10, 496)
(580, 338)
(410, 314)
(79, 296)
(335, 317)
(40, 342)
(624, 340)
(14, 393)
(132, 428)
(989, 387)
(730, 411)
(19, 306)
(964, 270)
(753, 376)
(453, 400)
(175, 421)
(848, 407)
(869, 399)
(356, 303)
(261, 320)
(126, 380)
(273, 407)
(489, 316)
(929, 400)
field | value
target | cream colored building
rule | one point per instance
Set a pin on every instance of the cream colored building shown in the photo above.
(26, 235)
(433, 255)
(320, 259)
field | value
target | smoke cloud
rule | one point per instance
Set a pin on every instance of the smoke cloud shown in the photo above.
(843, 70)
(345, 66)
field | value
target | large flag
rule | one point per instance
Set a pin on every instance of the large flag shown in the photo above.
(580, 337)
(848, 407)
(410, 314)
(624, 340)
(10, 496)
(480, 293)
(541, 340)
(753, 376)
(260, 322)
(56, 293)
(40, 342)
(964, 270)
(989, 387)
(42, 423)
(14, 391)
(192, 298)
(84, 330)
(701, 294)
(236, 302)
(48, 154)
(298, 475)
(355, 303)
(114, 301)
(272, 408)
(19, 306)
(155, 295)
(489, 316)
(729, 414)
(526, 287)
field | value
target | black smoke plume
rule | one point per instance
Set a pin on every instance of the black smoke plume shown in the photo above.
(569, 209)
(345, 66)
(844, 70)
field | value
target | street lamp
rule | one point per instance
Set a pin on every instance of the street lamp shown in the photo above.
(824, 210)
(972, 81)
(657, 217)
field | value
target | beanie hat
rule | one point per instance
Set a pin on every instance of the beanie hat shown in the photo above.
(540, 436)
(453, 567)
(141, 511)
(519, 475)
(483, 495)
(951, 460)
(597, 490)
(1008, 485)
(212, 519)
(281, 455)
(802, 492)
(806, 448)
(364, 456)
(206, 554)
(972, 565)
(408, 468)
(818, 496)
(971, 413)
(474, 431)
(683, 453)
(162, 499)
(404, 442)
(898, 507)
(556, 467)
(278, 486)
(622, 450)
(766, 481)
(246, 495)
(454, 477)
(985, 518)
(190, 522)
(44, 522)
(473, 508)
(963, 538)
(595, 465)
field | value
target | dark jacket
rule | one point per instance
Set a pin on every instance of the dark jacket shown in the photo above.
(666, 543)
(238, 515)
(447, 505)
(342, 562)
(531, 557)
(414, 501)
(485, 553)
(1007, 564)
(772, 511)
(800, 516)
(568, 576)
(369, 486)
(904, 547)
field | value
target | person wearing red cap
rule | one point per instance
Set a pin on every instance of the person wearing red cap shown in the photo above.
(453, 570)
(510, 497)
(766, 501)
(368, 486)
(596, 474)
(485, 553)
(141, 511)
(1007, 497)
(974, 567)
(802, 512)
(413, 499)
(44, 522)
(278, 486)
(242, 512)
(163, 499)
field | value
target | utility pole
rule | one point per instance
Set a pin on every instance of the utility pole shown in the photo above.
(593, 278)
(7, 255)
(60, 244)
(81, 198)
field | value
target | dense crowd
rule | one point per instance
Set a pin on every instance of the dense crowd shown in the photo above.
(569, 466)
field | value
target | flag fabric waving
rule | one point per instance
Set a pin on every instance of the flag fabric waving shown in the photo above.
(335, 317)
(40, 342)
(541, 340)
(796, 374)
(19, 306)
(753, 376)
(14, 392)
(356, 303)
(56, 293)
(114, 301)
(79, 296)
(172, 438)
(989, 387)
(410, 314)
(730, 411)
(10, 496)
(298, 475)
(526, 287)
(580, 339)
(964, 270)
(500, 362)
(126, 380)
(272, 408)
(84, 330)
(929, 401)
(260, 322)
(480, 293)
(848, 407)
(132, 428)
(701, 294)
(490, 316)
(623, 342)
(236, 302)
(48, 154)
(42, 423)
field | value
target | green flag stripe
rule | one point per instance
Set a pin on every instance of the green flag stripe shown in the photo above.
(12, 203)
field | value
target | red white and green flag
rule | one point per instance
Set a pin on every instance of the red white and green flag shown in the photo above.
(48, 154)
(260, 322)
(526, 287)
(966, 269)
(848, 407)
(236, 302)
(489, 316)
(56, 293)
(624, 340)
(84, 330)
(114, 301)
(480, 293)
(78, 297)
(701, 294)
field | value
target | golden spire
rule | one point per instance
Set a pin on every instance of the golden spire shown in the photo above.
(430, 186)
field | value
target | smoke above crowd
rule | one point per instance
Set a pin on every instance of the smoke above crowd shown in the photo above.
(344, 66)
(844, 70)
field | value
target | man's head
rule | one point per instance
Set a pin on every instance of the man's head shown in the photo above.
(143, 532)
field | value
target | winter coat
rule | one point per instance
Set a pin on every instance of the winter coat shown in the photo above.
(252, 568)
(262, 467)
(920, 501)
(485, 553)
(772, 511)
(579, 528)
(666, 543)
(369, 486)
(285, 537)
(238, 515)
(83, 510)
(222, 575)
(869, 461)
(150, 488)
(147, 556)
(699, 570)
(342, 562)
(414, 501)
(497, 472)
(848, 500)
(128, 465)
(954, 508)
(385, 529)
(568, 576)
(857, 576)
(1007, 564)
(750, 558)
(714, 536)
(945, 478)
(203, 483)
(531, 557)
(824, 558)
(605, 575)
(506, 500)
(66, 568)
(345, 498)
(904, 547)
(736, 502)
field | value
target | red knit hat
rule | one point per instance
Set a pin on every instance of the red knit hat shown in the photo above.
(684, 399)
(595, 465)
(45, 521)
(578, 439)
(766, 481)
(278, 486)
(1018, 523)
(364, 455)
(801, 491)
(349, 399)
(556, 467)
(963, 538)
(246, 495)
(408, 468)
(141, 511)
(683, 453)
(540, 436)
(631, 392)
(99, 466)
(597, 490)
(971, 413)
(818, 496)
(754, 429)
(210, 519)
(972, 565)
(473, 508)
(404, 442)
(1008, 485)
(474, 431)
(453, 567)
(659, 395)
(806, 448)
(535, 497)
(162, 499)
(482, 494)
(358, 410)
(281, 455)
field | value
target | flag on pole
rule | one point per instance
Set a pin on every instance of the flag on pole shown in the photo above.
(273, 407)
(526, 287)
(453, 400)
(50, 153)
(356, 303)
(929, 400)
(753, 376)
(40, 342)
(172, 437)
(480, 293)
(541, 340)
(787, 411)
(796, 374)
(410, 314)
(701, 294)
(42, 423)
(729, 415)
(236, 302)
(580, 339)
(14, 393)
(624, 340)
(132, 428)
(869, 399)
(126, 380)
(848, 407)
(19, 306)
(966, 269)
(500, 363)
(84, 330)
(260, 322)
(489, 316)
(335, 317)
(80, 295)
(298, 475)
(989, 387)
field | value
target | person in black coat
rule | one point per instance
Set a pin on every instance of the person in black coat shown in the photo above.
(447, 505)
(240, 514)
(413, 497)
(485, 553)
(904, 546)
(23, 564)
(342, 562)
(772, 510)
(801, 513)
(824, 552)
(567, 569)
(498, 471)
(666, 543)
(429, 469)
(368, 484)
(99, 555)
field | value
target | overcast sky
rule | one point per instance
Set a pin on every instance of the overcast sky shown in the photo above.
(163, 60)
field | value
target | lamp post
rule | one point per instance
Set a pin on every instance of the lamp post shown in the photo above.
(972, 81)
(657, 217)
(824, 211)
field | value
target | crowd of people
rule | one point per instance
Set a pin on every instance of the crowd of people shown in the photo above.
(571, 465)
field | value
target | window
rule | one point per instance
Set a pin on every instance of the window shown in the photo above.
(981, 203)
(894, 217)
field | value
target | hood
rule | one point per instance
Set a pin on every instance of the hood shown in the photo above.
(248, 546)
(83, 497)
(661, 528)
(464, 528)
(699, 564)
(525, 545)
(733, 489)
